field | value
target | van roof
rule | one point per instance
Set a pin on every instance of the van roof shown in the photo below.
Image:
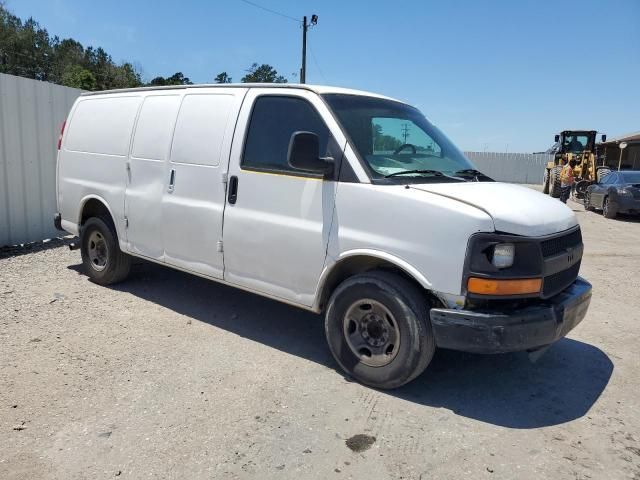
(319, 89)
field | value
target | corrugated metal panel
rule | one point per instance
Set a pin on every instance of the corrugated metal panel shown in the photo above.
(511, 167)
(31, 113)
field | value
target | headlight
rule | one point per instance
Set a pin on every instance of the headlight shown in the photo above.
(503, 255)
(625, 192)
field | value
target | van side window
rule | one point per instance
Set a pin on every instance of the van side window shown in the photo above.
(273, 120)
(155, 123)
(102, 125)
(200, 129)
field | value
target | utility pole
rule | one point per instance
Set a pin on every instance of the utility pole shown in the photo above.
(405, 131)
(305, 27)
(303, 70)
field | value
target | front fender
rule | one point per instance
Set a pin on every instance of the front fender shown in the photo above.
(333, 264)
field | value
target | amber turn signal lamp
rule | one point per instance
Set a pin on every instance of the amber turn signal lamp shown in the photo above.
(488, 286)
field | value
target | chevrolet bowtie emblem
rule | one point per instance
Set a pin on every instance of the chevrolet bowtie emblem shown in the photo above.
(569, 255)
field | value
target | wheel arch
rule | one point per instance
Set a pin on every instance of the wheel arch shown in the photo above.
(360, 261)
(95, 206)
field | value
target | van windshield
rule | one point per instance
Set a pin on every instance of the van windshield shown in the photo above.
(397, 143)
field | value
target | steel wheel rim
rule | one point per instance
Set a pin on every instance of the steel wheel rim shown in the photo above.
(98, 251)
(372, 332)
(605, 207)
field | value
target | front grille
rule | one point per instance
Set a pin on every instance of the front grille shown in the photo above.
(557, 245)
(557, 282)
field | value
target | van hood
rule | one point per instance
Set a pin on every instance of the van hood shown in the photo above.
(514, 209)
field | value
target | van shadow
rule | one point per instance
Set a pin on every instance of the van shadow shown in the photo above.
(505, 390)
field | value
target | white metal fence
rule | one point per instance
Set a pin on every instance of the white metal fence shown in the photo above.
(511, 167)
(31, 113)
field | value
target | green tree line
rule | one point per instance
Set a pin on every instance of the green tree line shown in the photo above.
(28, 50)
(382, 142)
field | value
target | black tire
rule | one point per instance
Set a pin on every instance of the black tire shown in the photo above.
(580, 188)
(545, 182)
(554, 181)
(409, 317)
(103, 261)
(609, 209)
(587, 202)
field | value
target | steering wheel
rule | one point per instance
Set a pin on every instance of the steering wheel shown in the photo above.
(402, 147)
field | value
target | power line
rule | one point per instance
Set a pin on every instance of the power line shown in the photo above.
(315, 61)
(270, 11)
(305, 27)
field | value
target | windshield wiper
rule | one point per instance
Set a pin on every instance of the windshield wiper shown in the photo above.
(473, 173)
(470, 171)
(422, 172)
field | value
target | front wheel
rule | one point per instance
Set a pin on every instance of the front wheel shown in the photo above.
(545, 182)
(554, 182)
(103, 260)
(378, 329)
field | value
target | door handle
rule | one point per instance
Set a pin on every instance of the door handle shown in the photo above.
(233, 190)
(172, 180)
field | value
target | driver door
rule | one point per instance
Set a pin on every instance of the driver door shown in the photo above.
(277, 219)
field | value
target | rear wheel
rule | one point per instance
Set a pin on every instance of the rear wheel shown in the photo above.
(378, 329)
(554, 181)
(609, 210)
(103, 260)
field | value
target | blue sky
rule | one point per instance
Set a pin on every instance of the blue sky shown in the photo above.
(494, 75)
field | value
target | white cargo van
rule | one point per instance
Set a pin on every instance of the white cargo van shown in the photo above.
(332, 200)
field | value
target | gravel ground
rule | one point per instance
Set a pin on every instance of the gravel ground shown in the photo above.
(171, 376)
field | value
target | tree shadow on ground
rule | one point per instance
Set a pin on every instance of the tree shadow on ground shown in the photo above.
(505, 390)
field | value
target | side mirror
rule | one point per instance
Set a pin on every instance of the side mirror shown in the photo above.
(304, 153)
(604, 138)
(556, 138)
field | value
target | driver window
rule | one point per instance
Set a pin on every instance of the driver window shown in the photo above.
(390, 135)
(273, 120)
(575, 143)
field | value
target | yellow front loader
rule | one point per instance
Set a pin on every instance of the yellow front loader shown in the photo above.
(578, 145)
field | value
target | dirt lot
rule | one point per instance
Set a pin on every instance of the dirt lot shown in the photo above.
(171, 376)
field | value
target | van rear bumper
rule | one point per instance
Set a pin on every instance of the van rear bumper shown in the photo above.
(510, 331)
(57, 221)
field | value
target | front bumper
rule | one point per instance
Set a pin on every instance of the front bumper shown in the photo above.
(626, 204)
(510, 331)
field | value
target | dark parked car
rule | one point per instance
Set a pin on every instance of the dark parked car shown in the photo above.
(615, 192)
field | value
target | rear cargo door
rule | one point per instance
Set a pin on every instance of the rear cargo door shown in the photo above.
(147, 170)
(194, 197)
